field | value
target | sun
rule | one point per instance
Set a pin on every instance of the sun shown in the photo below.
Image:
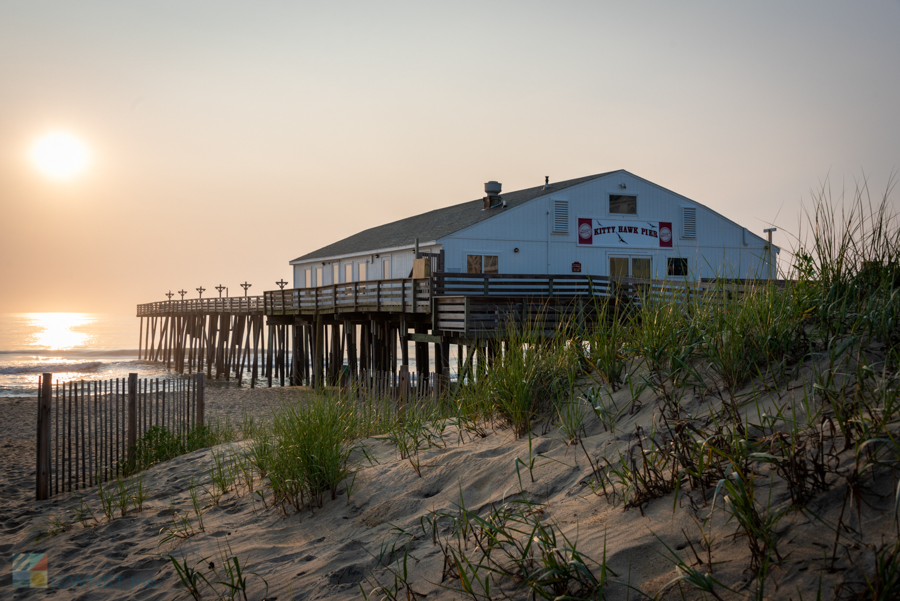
(60, 155)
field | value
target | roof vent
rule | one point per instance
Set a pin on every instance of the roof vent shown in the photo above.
(492, 190)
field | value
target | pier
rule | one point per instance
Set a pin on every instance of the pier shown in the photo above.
(304, 336)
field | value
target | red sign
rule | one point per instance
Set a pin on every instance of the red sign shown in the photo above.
(576, 267)
(624, 234)
(665, 234)
(585, 231)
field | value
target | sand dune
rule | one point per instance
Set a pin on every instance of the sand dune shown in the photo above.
(328, 553)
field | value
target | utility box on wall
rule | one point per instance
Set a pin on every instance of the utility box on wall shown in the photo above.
(421, 268)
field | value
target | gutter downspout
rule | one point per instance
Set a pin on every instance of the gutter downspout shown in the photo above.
(548, 239)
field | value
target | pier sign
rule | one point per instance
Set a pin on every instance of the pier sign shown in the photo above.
(624, 234)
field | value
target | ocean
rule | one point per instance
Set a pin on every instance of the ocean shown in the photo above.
(85, 346)
(72, 346)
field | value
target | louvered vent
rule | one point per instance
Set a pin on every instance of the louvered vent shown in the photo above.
(689, 222)
(560, 216)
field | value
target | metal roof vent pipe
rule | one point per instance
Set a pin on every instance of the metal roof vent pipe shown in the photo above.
(492, 189)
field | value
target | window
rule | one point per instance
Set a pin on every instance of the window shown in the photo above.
(688, 222)
(640, 268)
(618, 267)
(308, 273)
(560, 216)
(491, 264)
(482, 264)
(362, 272)
(678, 266)
(620, 204)
(348, 272)
(387, 269)
(336, 274)
(318, 281)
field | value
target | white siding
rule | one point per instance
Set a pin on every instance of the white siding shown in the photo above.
(718, 248)
(400, 265)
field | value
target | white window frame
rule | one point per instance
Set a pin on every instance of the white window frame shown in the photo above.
(637, 206)
(482, 254)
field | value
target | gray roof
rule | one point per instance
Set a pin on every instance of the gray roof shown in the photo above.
(436, 224)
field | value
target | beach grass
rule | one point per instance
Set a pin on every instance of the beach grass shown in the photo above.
(715, 430)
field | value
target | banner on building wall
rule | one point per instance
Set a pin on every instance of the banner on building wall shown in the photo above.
(624, 234)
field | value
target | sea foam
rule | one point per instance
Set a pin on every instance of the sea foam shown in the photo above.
(37, 368)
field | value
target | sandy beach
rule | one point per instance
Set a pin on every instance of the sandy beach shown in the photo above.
(349, 542)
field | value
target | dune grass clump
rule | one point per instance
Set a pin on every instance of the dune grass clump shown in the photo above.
(161, 444)
(512, 551)
(417, 427)
(849, 267)
(606, 354)
(524, 380)
(311, 446)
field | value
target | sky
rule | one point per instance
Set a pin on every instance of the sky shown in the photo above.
(228, 138)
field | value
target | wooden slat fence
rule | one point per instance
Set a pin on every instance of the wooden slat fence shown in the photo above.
(382, 384)
(87, 430)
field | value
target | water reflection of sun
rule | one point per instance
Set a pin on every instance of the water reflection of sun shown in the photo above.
(60, 331)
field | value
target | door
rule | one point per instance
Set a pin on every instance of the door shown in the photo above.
(630, 267)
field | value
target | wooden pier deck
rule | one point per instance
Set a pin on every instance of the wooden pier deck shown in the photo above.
(313, 332)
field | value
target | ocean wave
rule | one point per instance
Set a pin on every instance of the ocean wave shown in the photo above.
(71, 353)
(39, 368)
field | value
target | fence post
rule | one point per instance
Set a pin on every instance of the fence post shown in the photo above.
(132, 418)
(201, 384)
(403, 384)
(43, 437)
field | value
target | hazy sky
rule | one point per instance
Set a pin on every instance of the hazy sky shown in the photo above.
(229, 138)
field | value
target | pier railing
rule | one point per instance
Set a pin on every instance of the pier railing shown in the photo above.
(474, 305)
(414, 295)
(400, 296)
(88, 431)
(555, 286)
(235, 305)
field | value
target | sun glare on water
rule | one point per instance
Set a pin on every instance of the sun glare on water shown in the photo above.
(59, 331)
(60, 155)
